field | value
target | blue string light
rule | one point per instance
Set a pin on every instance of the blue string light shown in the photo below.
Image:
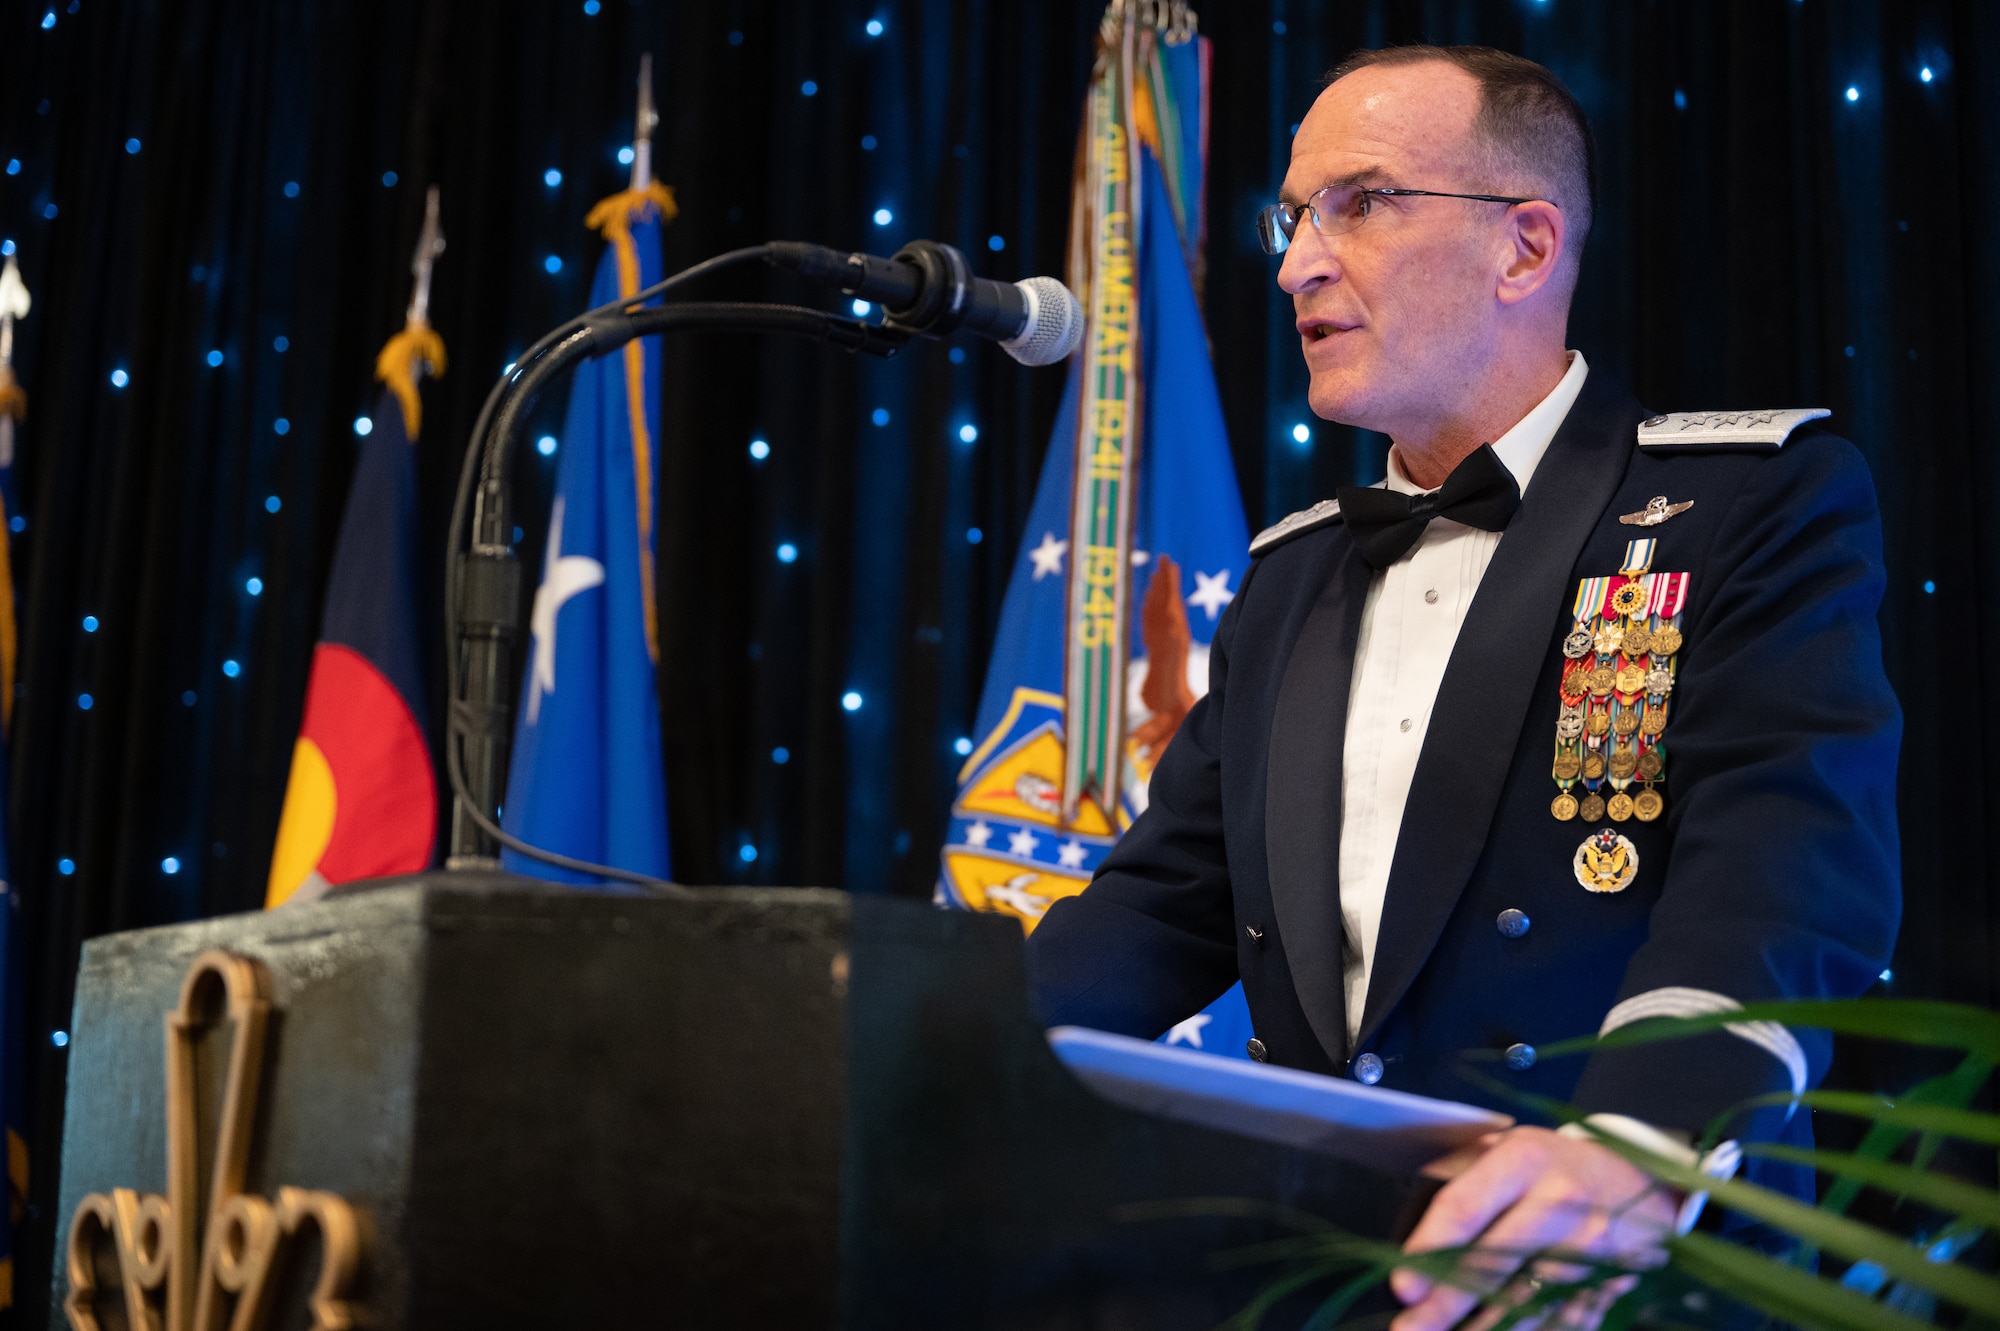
(808, 88)
(1680, 100)
(747, 853)
(281, 426)
(214, 359)
(6, 247)
(49, 211)
(861, 308)
(272, 503)
(883, 217)
(60, 1039)
(281, 344)
(13, 166)
(851, 701)
(973, 536)
(291, 189)
(735, 37)
(85, 702)
(880, 416)
(188, 699)
(132, 147)
(255, 586)
(170, 865)
(873, 27)
(781, 755)
(65, 866)
(968, 433)
(552, 264)
(759, 450)
(1930, 588)
(1926, 75)
(956, 355)
(552, 177)
(868, 142)
(624, 155)
(17, 524)
(388, 179)
(231, 668)
(787, 553)
(48, 20)
(546, 445)
(996, 243)
(961, 746)
(1302, 433)
(1853, 93)
(119, 378)
(90, 623)
(363, 426)
(591, 7)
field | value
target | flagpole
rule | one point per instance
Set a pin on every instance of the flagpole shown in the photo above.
(14, 304)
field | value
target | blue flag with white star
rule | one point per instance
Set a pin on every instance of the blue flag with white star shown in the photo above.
(1009, 849)
(585, 778)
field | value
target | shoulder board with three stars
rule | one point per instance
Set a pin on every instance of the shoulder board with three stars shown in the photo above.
(1736, 431)
(1305, 520)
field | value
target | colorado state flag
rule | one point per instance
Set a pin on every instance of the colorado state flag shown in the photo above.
(362, 798)
(1009, 849)
(585, 779)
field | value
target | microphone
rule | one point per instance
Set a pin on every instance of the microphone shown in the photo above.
(928, 289)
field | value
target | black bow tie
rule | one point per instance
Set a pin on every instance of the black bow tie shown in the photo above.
(1480, 492)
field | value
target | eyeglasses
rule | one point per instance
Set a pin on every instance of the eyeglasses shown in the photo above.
(1337, 209)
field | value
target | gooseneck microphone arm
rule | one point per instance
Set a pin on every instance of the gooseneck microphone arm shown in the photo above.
(483, 582)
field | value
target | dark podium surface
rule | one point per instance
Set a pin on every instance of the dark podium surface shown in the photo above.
(733, 1108)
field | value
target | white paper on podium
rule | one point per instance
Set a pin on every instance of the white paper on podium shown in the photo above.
(1389, 1130)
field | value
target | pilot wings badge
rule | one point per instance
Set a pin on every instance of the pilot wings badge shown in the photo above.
(1606, 862)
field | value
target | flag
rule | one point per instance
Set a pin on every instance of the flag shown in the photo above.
(1136, 540)
(14, 304)
(361, 801)
(585, 779)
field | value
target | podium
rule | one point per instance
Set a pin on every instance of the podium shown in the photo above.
(732, 1107)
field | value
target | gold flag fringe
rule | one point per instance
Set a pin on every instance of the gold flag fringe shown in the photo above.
(418, 344)
(13, 401)
(612, 218)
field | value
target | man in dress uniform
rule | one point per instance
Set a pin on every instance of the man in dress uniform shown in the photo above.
(1578, 718)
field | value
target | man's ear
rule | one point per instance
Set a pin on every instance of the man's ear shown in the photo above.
(1536, 234)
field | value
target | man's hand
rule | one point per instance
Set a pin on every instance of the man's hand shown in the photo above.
(1531, 1191)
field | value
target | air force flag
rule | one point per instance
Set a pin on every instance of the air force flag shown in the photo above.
(585, 778)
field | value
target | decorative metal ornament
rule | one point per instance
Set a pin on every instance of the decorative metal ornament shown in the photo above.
(1593, 766)
(1647, 805)
(1606, 862)
(1655, 720)
(1630, 678)
(1659, 681)
(1651, 764)
(1626, 721)
(1569, 725)
(1602, 680)
(1567, 765)
(1624, 763)
(1598, 722)
(1577, 645)
(1563, 807)
(1666, 640)
(1619, 807)
(1610, 636)
(1638, 640)
(1591, 808)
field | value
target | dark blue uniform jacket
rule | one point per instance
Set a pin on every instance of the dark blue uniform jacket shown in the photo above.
(1773, 873)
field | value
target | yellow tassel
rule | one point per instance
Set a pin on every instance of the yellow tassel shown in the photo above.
(397, 368)
(612, 218)
(13, 401)
(1145, 121)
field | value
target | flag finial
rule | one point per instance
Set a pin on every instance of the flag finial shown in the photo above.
(430, 244)
(642, 132)
(14, 305)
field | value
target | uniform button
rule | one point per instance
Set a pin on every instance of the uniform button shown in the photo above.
(1431, 596)
(1520, 1057)
(1257, 1051)
(1256, 934)
(1368, 1069)
(1511, 923)
(1404, 724)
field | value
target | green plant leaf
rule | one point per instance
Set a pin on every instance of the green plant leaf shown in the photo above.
(1905, 1020)
(1830, 1233)
(1965, 1124)
(1951, 1091)
(1946, 1194)
(1782, 1290)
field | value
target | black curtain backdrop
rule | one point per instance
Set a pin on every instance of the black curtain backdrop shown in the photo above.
(218, 175)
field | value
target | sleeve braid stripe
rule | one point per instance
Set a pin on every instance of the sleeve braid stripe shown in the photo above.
(1680, 1001)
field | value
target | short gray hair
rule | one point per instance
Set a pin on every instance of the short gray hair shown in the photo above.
(1531, 124)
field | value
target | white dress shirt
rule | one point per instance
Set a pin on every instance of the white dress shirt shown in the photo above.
(1409, 624)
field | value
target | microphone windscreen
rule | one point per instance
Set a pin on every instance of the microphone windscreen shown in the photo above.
(1054, 326)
